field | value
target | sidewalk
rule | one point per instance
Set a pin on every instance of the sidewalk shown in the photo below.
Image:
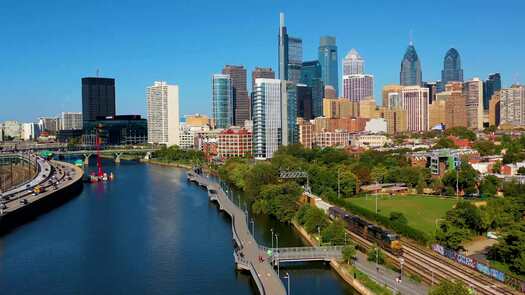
(388, 277)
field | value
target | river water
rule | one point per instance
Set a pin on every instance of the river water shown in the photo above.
(147, 232)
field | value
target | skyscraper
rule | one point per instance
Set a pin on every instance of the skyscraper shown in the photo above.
(311, 76)
(353, 63)
(222, 101)
(304, 101)
(241, 101)
(414, 100)
(267, 73)
(328, 60)
(274, 116)
(410, 74)
(512, 105)
(473, 90)
(290, 54)
(98, 98)
(357, 87)
(451, 67)
(393, 89)
(71, 121)
(163, 113)
(490, 86)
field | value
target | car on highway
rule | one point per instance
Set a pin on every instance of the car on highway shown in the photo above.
(24, 202)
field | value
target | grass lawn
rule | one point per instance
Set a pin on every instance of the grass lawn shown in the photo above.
(421, 211)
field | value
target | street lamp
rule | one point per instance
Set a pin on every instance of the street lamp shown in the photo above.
(401, 262)
(287, 277)
(320, 238)
(271, 229)
(253, 228)
(277, 252)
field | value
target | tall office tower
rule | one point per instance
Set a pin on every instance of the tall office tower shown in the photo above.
(414, 99)
(473, 90)
(455, 108)
(71, 121)
(329, 92)
(163, 113)
(451, 67)
(432, 89)
(274, 116)
(390, 89)
(396, 119)
(410, 74)
(98, 98)
(328, 60)
(241, 101)
(490, 86)
(311, 76)
(357, 87)
(367, 108)
(353, 63)
(436, 113)
(267, 73)
(512, 105)
(304, 102)
(495, 110)
(222, 101)
(290, 54)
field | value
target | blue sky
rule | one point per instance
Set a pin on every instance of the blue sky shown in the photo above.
(47, 46)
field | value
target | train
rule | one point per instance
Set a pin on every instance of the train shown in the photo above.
(384, 238)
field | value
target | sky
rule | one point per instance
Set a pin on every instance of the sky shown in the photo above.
(46, 47)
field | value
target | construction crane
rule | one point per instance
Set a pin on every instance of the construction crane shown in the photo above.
(296, 175)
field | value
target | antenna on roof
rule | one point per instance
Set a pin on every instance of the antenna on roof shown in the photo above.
(410, 37)
(517, 78)
(98, 71)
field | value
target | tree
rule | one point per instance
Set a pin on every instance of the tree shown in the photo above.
(301, 213)
(450, 288)
(467, 178)
(451, 236)
(445, 143)
(496, 168)
(489, 185)
(315, 218)
(347, 182)
(461, 132)
(349, 252)
(334, 233)
(279, 200)
(375, 254)
(486, 147)
(397, 217)
(379, 174)
(511, 248)
(521, 171)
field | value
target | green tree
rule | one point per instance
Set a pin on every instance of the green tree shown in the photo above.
(496, 168)
(486, 147)
(511, 248)
(399, 218)
(301, 213)
(489, 185)
(451, 236)
(260, 174)
(315, 218)
(450, 288)
(521, 171)
(334, 233)
(349, 252)
(461, 132)
(279, 200)
(348, 182)
(445, 143)
(375, 254)
(379, 174)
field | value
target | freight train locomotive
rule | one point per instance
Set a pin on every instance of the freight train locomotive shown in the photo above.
(373, 233)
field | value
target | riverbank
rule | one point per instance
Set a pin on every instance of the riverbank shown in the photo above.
(338, 267)
(167, 164)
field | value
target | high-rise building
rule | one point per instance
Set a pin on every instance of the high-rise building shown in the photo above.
(452, 70)
(367, 108)
(304, 102)
(432, 89)
(340, 108)
(329, 92)
(490, 86)
(495, 110)
(30, 131)
(473, 91)
(357, 87)
(163, 113)
(311, 76)
(512, 105)
(98, 98)
(12, 129)
(49, 124)
(455, 108)
(274, 116)
(259, 72)
(414, 99)
(391, 91)
(353, 63)
(328, 60)
(241, 101)
(396, 119)
(71, 121)
(410, 74)
(222, 101)
(436, 113)
(290, 57)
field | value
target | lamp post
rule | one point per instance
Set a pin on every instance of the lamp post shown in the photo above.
(287, 277)
(253, 227)
(319, 232)
(277, 242)
(401, 262)
(271, 229)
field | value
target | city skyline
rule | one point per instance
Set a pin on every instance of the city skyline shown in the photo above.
(135, 63)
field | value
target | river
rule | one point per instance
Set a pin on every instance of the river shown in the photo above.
(147, 232)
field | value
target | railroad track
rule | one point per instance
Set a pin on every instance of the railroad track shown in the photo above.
(428, 265)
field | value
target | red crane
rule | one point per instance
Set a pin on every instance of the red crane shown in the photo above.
(100, 173)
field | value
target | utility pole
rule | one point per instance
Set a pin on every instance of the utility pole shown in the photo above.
(277, 240)
(287, 277)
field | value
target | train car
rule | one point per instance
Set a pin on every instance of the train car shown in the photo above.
(336, 212)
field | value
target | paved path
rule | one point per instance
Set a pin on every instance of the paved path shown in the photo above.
(249, 253)
(388, 277)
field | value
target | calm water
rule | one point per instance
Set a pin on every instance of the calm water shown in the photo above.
(148, 232)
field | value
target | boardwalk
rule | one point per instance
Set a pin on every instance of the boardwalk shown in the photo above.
(248, 253)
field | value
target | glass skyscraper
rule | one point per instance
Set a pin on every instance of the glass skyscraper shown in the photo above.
(222, 101)
(311, 76)
(452, 67)
(98, 98)
(410, 68)
(295, 59)
(491, 85)
(328, 61)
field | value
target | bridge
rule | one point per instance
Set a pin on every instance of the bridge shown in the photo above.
(116, 152)
(257, 259)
